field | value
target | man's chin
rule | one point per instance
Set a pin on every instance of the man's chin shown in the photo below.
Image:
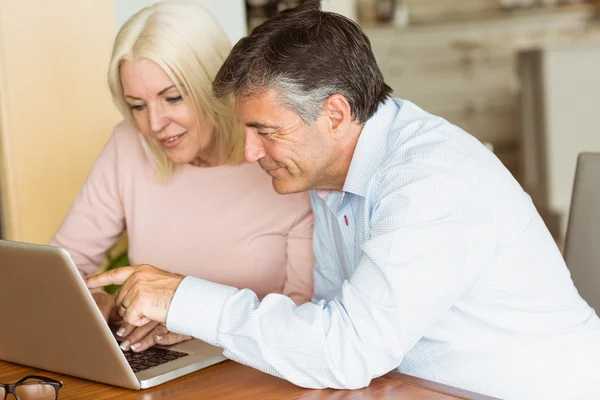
(283, 187)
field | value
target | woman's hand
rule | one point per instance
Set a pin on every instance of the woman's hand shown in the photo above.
(136, 339)
(108, 306)
(141, 338)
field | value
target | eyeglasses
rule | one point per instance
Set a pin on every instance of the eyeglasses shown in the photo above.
(31, 387)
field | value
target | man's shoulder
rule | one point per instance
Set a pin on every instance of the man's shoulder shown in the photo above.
(405, 144)
(416, 136)
(422, 147)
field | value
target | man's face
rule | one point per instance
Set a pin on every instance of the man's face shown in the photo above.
(293, 153)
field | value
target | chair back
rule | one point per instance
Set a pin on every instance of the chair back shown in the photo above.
(582, 244)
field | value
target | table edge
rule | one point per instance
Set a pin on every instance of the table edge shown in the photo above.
(437, 387)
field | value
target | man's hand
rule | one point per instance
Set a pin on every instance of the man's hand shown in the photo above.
(146, 293)
(139, 339)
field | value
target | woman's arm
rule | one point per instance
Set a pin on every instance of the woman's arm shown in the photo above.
(300, 256)
(96, 218)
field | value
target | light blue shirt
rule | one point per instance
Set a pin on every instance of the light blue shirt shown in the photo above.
(432, 260)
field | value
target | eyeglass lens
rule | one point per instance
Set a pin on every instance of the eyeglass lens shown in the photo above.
(35, 391)
(32, 391)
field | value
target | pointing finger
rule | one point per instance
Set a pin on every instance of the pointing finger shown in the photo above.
(115, 276)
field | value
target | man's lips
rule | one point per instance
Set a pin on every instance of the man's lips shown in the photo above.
(272, 171)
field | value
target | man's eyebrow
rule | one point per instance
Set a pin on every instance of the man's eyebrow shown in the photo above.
(258, 125)
(159, 93)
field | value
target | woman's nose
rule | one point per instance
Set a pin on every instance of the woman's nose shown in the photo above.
(158, 118)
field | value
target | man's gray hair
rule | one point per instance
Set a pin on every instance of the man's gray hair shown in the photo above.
(307, 104)
(305, 56)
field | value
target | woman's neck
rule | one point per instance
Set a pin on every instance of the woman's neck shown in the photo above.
(208, 157)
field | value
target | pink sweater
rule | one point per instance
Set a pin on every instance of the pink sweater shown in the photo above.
(225, 224)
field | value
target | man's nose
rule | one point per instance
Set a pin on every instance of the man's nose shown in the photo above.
(253, 147)
(158, 118)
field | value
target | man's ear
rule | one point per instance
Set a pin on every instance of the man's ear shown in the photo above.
(337, 110)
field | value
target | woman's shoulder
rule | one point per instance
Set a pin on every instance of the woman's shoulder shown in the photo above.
(268, 194)
(127, 143)
(124, 132)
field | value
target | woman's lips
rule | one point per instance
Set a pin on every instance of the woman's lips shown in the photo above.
(173, 141)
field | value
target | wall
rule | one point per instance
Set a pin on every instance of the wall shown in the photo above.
(231, 14)
(424, 11)
(571, 77)
(465, 70)
(56, 113)
(55, 108)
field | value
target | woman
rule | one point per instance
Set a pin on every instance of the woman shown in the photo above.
(172, 175)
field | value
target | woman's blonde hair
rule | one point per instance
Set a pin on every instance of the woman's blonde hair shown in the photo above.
(190, 46)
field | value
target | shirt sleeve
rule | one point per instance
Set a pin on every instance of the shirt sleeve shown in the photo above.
(96, 218)
(300, 256)
(427, 242)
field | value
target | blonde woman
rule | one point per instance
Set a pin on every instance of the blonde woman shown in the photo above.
(172, 175)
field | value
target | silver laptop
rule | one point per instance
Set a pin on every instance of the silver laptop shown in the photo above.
(50, 321)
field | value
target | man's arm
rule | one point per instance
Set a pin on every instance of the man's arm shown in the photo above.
(428, 243)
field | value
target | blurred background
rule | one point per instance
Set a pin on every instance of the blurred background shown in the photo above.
(520, 75)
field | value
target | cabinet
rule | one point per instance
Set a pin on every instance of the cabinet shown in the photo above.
(561, 93)
(55, 108)
(465, 69)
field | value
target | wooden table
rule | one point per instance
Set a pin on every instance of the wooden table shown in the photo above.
(230, 380)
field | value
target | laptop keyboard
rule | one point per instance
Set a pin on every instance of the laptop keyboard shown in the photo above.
(151, 358)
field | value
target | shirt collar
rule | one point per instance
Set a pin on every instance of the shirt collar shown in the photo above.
(371, 148)
(323, 193)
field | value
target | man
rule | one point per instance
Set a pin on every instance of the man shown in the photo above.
(430, 257)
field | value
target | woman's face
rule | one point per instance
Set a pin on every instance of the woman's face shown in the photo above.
(164, 115)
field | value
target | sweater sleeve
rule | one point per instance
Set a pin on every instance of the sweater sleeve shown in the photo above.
(300, 256)
(96, 218)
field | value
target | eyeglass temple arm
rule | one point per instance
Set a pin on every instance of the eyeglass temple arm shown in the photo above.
(41, 378)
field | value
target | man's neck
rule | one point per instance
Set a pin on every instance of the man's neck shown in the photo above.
(342, 159)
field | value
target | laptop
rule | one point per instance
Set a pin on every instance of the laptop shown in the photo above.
(50, 321)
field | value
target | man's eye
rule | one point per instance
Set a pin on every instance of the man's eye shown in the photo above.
(174, 100)
(267, 135)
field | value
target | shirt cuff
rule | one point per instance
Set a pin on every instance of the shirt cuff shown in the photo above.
(196, 308)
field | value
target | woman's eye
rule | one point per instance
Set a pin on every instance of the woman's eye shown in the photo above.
(174, 100)
(137, 107)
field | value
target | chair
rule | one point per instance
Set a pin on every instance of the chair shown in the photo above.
(582, 243)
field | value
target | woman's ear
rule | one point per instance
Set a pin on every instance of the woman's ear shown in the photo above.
(337, 110)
